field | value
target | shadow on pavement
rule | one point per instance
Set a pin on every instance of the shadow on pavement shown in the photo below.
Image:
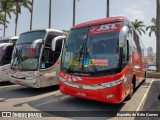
(66, 106)
(21, 92)
(152, 103)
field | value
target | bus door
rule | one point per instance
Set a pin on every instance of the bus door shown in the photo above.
(126, 68)
(50, 62)
(125, 53)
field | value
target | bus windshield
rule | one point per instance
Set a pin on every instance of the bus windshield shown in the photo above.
(22, 58)
(92, 50)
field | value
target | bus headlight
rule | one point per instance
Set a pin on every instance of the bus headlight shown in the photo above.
(110, 84)
(31, 78)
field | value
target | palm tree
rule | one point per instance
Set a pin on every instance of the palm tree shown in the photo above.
(107, 12)
(139, 25)
(158, 37)
(18, 4)
(152, 28)
(7, 7)
(31, 15)
(50, 4)
(2, 19)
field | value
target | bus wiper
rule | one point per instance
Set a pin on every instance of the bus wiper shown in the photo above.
(79, 59)
(18, 56)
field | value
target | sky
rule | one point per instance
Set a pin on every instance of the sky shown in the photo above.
(86, 10)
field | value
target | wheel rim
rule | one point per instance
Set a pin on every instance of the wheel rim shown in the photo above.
(131, 92)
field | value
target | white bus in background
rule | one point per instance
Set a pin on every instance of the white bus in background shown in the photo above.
(34, 63)
(6, 48)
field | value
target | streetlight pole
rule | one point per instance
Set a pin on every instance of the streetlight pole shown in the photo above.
(74, 11)
(107, 12)
(31, 15)
(50, 4)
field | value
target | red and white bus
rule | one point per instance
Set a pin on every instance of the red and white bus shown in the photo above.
(102, 60)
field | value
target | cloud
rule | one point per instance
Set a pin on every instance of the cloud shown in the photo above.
(145, 2)
(133, 12)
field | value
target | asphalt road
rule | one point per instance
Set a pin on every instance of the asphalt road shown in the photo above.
(20, 98)
(152, 100)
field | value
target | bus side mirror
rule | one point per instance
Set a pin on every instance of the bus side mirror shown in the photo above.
(123, 36)
(33, 46)
(34, 43)
(55, 40)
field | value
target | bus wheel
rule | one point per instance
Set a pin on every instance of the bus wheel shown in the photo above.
(131, 92)
(145, 77)
(132, 88)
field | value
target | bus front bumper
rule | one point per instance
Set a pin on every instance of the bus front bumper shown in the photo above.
(111, 94)
(24, 82)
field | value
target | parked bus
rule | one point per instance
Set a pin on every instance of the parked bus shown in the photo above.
(102, 60)
(6, 48)
(34, 64)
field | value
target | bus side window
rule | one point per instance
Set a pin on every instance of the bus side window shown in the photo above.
(125, 54)
(47, 58)
(49, 39)
(57, 51)
(8, 54)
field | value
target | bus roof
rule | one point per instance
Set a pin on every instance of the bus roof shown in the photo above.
(8, 39)
(47, 30)
(2, 44)
(99, 21)
(15, 37)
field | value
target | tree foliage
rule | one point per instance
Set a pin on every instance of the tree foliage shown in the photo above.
(139, 26)
(152, 28)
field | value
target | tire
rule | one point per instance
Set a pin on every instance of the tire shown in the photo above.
(145, 77)
(132, 88)
(131, 92)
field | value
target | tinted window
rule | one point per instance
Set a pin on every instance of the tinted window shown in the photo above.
(31, 36)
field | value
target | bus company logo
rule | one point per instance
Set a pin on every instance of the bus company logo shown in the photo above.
(93, 29)
(107, 27)
(72, 78)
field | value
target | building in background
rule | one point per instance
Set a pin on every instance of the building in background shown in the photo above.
(150, 55)
(154, 58)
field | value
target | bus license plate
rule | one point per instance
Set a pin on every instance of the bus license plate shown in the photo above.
(81, 94)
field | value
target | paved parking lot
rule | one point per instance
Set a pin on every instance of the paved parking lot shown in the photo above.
(50, 100)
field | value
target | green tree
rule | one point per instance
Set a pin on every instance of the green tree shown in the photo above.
(152, 28)
(158, 36)
(18, 4)
(7, 7)
(139, 25)
(2, 19)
